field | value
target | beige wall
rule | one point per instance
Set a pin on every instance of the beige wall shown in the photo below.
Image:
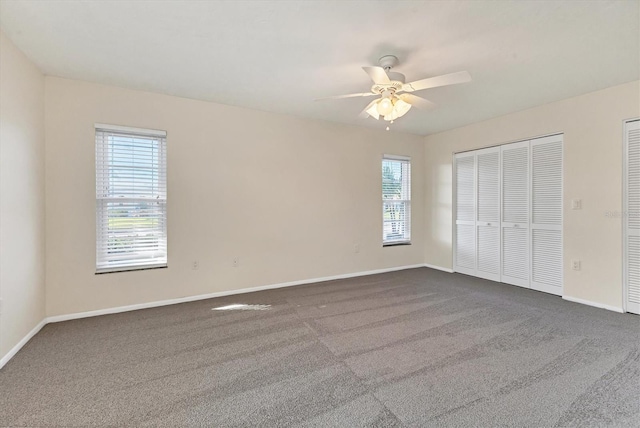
(289, 197)
(592, 126)
(22, 287)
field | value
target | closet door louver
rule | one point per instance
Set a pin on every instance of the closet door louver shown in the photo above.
(632, 217)
(465, 227)
(488, 213)
(515, 213)
(546, 212)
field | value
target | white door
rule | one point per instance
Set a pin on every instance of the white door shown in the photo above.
(465, 227)
(515, 213)
(488, 213)
(632, 216)
(546, 214)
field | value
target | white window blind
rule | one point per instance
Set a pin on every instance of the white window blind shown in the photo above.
(131, 198)
(396, 200)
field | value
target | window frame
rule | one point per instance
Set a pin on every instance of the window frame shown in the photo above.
(406, 238)
(102, 265)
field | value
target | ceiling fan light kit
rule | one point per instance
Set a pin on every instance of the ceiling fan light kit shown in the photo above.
(393, 104)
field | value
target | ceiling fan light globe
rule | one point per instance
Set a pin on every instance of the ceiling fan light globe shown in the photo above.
(373, 111)
(401, 107)
(391, 116)
(385, 106)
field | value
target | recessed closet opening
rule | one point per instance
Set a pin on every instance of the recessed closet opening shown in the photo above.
(508, 213)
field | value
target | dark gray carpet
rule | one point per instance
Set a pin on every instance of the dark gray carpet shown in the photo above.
(411, 348)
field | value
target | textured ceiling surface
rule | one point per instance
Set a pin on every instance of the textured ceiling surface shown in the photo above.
(281, 55)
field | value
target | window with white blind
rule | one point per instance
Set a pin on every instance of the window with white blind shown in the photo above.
(131, 198)
(396, 200)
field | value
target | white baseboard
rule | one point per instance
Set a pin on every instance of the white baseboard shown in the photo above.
(66, 317)
(443, 269)
(5, 359)
(115, 310)
(594, 304)
(118, 309)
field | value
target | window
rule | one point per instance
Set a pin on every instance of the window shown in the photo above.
(396, 200)
(131, 198)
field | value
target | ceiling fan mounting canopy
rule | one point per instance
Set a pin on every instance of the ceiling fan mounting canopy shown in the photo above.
(388, 62)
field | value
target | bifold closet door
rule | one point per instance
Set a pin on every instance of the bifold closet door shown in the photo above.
(546, 214)
(515, 213)
(632, 216)
(488, 213)
(465, 227)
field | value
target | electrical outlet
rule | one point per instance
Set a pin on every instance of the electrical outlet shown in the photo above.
(576, 264)
(236, 262)
(195, 265)
(356, 248)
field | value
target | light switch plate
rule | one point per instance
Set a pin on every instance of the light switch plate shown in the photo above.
(576, 204)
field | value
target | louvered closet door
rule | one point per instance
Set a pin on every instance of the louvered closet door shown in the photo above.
(546, 214)
(632, 217)
(465, 228)
(515, 213)
(488, 213)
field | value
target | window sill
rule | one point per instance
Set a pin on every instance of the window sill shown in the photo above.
(395, 244)
(129, 269)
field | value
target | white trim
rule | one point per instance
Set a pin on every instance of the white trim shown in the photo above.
(594, 304)
(396, 157)
(130, 268)
(5, 359)
(129, 129)
(509, 142)
(118, 309)
(443, 269)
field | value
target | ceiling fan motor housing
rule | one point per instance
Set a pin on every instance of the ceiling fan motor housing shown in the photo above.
(397, 79)
(394, 86)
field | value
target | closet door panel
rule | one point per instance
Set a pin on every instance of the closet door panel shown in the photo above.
(515, 256)
(488, 214)
(632, 217)
(546, 261)
(489, 252)
(515, 213)
(546, 214)
(465, 225)
(465, 249)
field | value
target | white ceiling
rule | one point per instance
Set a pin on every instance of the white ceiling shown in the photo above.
(280, 55)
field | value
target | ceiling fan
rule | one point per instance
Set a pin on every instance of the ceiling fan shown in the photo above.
(393, 104)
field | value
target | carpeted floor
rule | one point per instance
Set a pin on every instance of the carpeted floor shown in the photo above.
(410, 348)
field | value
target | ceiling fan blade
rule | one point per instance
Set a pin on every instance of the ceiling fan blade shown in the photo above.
(434, 82)
(363, 114)
(378, 75)
(415, 101)
(337, 97)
